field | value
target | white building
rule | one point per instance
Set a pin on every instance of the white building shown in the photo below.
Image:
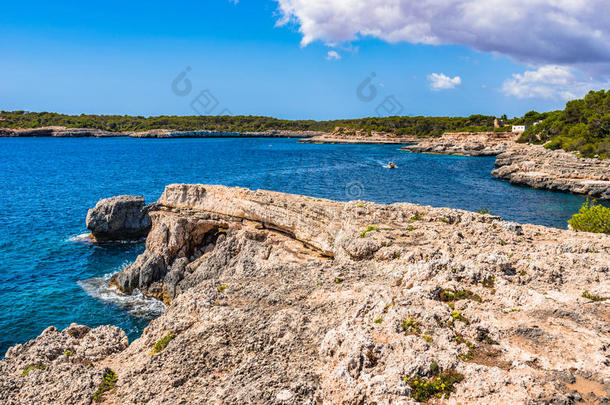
(519, 128)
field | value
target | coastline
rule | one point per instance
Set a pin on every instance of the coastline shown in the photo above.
(63, 132)
(526, 164)
(312, 299)
(521, 164)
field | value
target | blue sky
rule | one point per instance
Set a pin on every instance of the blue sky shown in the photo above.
(121, 58)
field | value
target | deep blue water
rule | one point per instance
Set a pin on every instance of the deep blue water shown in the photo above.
(48, 184)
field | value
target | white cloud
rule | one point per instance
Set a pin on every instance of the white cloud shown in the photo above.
(333, 55)
(551, 82)
(439, 81)
(535, 31)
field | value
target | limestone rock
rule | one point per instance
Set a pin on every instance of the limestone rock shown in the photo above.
(119, 218)
(284, 299)
(465, 144)
(58, 367)
(538, 167)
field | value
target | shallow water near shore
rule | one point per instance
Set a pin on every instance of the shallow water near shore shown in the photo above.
(50, 275)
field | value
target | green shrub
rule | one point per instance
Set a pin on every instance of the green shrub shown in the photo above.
(456, 295)
(443, 384)
(591, 217)
(107, 384)
(411, 326)
(162, 343)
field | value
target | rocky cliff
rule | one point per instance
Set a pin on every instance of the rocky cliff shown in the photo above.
(538, 167)
(284, 299)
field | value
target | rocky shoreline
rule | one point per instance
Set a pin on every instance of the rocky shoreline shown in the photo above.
(538, 167)
(527, 165)
(342, 135)
(63, 132)
(466, 144)
(284, 299)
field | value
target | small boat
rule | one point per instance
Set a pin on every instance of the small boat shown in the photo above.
(391, 165)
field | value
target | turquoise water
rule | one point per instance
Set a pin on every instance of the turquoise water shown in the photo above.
(49, 277)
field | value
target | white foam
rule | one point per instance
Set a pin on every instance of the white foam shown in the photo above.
(82, 238)
(136, 303)
(88, 239)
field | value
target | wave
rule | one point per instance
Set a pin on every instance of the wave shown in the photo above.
(88, 239)
(82, 238)
(136, 304)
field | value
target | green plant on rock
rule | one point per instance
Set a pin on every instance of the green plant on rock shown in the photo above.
(471, 348)
(162, 343)
(368, 229)
(68, 353)
(457, 316)
(422, 389)
(411, 326)
(586, 294)
(456, 295)
(378, 320)
(484, 211)
(107, 384)
(221, 288)
(591, 217)
(31, 367)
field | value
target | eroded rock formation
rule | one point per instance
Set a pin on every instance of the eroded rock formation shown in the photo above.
(119, 218)
(284, 299)
(538, 167)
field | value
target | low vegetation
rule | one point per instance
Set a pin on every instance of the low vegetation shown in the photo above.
(442, 384)
(162, 343)
(368, 229)
(31, 367)
(458, 316)
(107, 384)
(411, 326)
(456, 295)
(586, 294)
(591, 217)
